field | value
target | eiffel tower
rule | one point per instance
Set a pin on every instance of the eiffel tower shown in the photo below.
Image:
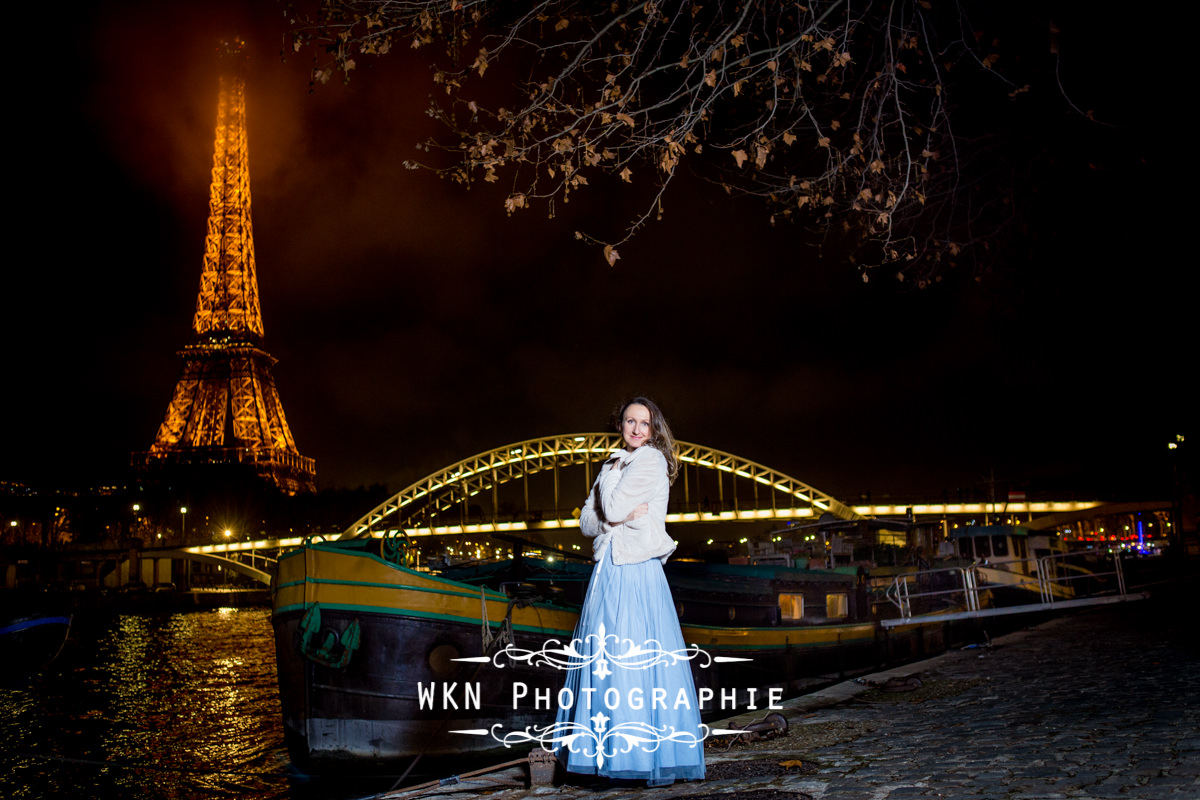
(225, 412)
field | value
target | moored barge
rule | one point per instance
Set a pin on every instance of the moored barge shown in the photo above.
(379, 662)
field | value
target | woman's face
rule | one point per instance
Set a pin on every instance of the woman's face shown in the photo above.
(635, 427)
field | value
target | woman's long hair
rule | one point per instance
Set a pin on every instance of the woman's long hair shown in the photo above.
(661, 438)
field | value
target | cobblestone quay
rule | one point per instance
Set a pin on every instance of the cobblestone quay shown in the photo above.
(1101, 703)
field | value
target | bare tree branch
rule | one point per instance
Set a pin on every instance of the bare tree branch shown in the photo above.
(834, 113)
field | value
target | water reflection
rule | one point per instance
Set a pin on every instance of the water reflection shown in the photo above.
(156, 706)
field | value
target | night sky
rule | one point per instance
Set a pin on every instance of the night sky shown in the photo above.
(416, 324)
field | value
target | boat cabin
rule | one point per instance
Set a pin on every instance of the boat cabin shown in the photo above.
(765, 596)
(1014, 547)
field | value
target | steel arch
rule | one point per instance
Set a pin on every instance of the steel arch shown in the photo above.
(457, 482)
(192, 554)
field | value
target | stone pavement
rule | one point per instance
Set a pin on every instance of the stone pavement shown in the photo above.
(1103, 703)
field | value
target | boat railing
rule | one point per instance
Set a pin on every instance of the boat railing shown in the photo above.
(1057, 581)
(900, 594)
(1057, 578)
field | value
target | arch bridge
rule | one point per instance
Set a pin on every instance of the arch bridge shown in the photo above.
(254, 560)
(443, 502)
(248, 563)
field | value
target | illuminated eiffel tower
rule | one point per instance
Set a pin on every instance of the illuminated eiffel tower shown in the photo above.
(225, 411)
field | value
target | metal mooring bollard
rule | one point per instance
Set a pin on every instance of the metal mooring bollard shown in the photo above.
(541, 767)
(773, 724)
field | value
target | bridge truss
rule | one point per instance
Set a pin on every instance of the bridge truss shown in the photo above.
(423, 507)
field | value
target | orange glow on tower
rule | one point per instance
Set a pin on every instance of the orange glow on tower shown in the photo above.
(225, 408)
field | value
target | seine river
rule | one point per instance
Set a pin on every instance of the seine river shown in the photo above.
(142, 706)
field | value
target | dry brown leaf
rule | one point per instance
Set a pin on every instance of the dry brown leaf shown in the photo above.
(514, 202)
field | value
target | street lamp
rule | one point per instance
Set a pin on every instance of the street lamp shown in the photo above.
(183, 516)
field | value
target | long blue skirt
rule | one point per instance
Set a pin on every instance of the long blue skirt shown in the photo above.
(631, 711)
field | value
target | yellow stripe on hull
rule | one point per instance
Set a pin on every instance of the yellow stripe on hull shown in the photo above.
(350, 579)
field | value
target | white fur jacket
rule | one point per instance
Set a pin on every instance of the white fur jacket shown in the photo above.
(625, 481)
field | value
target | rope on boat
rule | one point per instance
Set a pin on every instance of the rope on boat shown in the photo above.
(390, 793)
(95, 762)
(488, 640)
(413, 791)
(453, 780)
(486, 634)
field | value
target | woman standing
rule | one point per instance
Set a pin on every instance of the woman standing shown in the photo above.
(633, 712)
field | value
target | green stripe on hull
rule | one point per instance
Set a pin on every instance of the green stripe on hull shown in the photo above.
(496, 598)
(400, 614)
